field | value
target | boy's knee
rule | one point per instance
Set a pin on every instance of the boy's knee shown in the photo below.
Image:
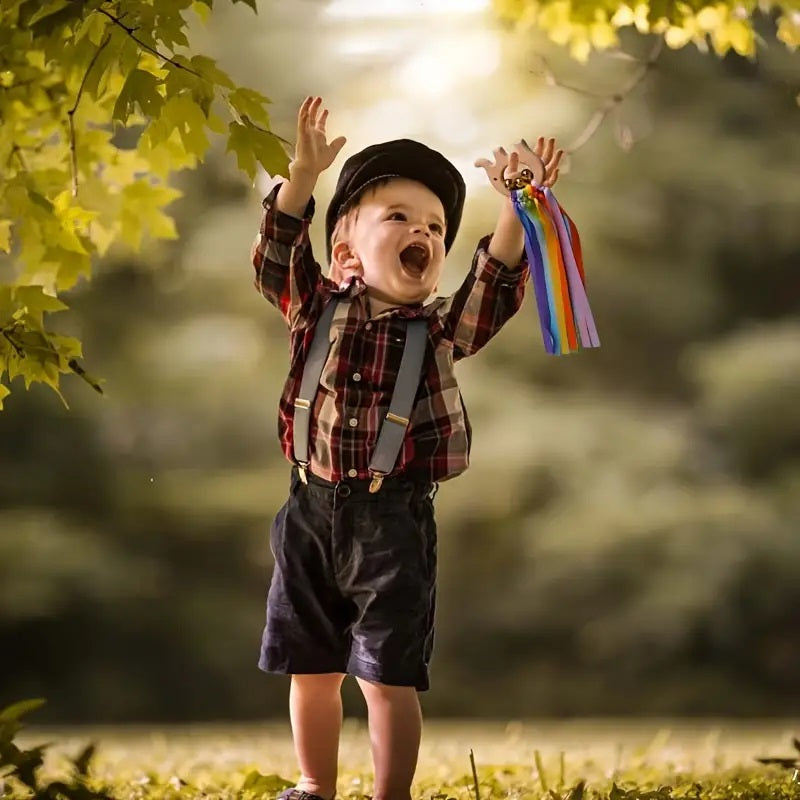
(324, 683)
(385, 692)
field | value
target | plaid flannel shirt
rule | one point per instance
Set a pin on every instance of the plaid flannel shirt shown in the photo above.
(358, 379)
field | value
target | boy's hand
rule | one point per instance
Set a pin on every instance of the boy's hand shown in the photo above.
(313, 153)
(547, 152)
(543, 161)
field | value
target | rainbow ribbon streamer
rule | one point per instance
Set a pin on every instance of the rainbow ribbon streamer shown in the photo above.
(554, 255)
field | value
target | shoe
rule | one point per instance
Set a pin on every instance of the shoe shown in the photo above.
(298, 794)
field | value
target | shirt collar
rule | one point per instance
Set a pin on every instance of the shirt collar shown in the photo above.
(354, 286)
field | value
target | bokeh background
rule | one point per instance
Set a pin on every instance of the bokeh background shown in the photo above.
(627, 539)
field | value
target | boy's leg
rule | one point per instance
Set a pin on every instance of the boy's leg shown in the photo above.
(395, 730)
(306, 633)
(389, 573)
(315, 709)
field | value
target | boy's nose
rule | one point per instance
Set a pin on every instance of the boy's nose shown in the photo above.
(420, 229)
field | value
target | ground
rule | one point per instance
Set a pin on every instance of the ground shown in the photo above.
(614, 759)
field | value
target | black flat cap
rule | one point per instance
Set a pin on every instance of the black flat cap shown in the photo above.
(401, 158)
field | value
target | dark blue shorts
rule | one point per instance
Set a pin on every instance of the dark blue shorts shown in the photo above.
(354, 585)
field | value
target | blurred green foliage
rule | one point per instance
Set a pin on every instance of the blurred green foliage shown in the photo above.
(722, 26)
(97, 113)
(625, 541)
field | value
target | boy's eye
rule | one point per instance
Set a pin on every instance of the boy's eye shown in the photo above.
(400, 216)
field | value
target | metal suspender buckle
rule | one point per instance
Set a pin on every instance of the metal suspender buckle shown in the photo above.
(300, 403)
(377, 477)
(301, 471)
(376, 482)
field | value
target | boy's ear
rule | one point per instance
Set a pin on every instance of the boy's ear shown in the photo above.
(344, 263)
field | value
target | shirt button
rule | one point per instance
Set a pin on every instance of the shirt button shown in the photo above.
(356, 376)
(368, 326)
(352, 473)
(352, 422)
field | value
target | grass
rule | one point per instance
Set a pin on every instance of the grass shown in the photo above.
(613, 760)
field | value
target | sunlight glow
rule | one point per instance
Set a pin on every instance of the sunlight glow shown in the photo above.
(365, 9)
(385, 117)
(433, 71)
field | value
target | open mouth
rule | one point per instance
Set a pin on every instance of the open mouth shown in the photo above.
(415, 258)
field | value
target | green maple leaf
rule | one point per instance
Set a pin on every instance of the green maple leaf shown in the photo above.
(181, 112)
(140, 88)
(252, 144)
(250, 103)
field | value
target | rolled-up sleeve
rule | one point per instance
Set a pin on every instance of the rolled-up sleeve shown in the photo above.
(489, 296)
(286, 272)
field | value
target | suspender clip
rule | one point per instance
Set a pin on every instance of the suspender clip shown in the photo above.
(301, 471)
(376, 482)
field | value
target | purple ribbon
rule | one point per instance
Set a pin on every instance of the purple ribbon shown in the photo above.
(584, 321)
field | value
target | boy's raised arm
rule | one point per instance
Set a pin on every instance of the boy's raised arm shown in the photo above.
(286, 272)
(312, 156)
(294, 193)
(508, 240)
(493, 290)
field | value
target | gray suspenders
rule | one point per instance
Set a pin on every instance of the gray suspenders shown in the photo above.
(312, 371)
(390, 437)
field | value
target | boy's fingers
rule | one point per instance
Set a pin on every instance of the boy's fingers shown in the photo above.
(551, 178)
(554, 162)
(302, 114)
(547, 153)
(312, 111)
(303, 123)
(337, 144)
(308, 118)
(322, 120)
(483, 163)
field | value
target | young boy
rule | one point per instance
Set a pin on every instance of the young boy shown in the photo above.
(353, 589)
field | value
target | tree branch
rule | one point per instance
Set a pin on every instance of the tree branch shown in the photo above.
(131, 32)
(73, 364)
(71, 115)
(84, 376)
(19, 350)
(243, 119)
(610, 102)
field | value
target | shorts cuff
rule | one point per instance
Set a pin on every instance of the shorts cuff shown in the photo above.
(360, 668)
(278, 664)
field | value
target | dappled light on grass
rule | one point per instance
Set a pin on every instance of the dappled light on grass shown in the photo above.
(617, 760)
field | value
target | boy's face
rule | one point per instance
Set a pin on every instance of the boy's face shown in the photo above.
(396, 244)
